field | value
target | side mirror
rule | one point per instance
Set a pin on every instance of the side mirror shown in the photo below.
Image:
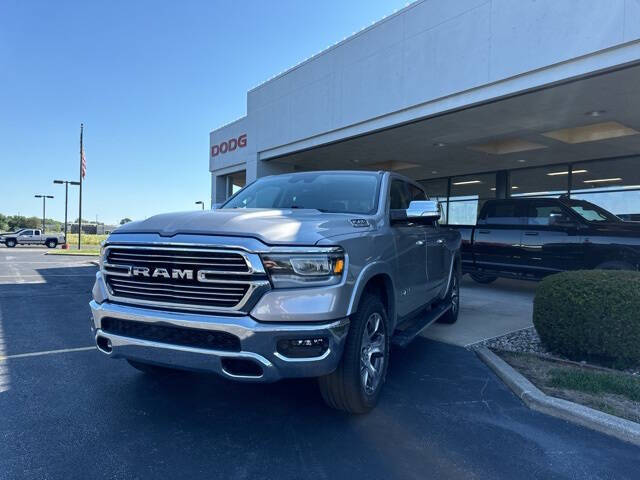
(424, 209)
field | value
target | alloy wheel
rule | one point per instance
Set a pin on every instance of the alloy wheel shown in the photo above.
(372, 356)
(455, 295)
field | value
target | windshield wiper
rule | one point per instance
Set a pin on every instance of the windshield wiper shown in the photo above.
(321, 210)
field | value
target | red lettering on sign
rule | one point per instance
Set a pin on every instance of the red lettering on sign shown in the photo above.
(229, 146)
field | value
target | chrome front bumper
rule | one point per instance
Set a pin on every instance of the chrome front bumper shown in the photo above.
(257, 342)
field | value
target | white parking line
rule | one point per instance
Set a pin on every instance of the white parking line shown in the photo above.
(86, 262)
(45, 275)
(46, 352)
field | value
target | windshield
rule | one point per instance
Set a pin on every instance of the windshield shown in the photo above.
(592, 213)
(332, 192)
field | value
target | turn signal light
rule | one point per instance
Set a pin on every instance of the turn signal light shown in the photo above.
(338, 266)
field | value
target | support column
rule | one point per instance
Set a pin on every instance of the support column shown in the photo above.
(503, 189)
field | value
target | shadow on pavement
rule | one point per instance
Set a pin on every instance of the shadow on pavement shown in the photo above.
(442, 414)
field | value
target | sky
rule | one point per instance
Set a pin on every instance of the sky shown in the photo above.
(149, 80)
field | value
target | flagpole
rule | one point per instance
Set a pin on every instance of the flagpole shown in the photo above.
(80, 202)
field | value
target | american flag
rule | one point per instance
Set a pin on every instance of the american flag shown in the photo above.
(83, 164)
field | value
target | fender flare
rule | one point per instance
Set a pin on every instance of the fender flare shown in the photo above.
(367, 273)
(455, 257)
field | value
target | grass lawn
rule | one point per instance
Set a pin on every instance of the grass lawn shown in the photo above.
(616, 393)
(72, 239)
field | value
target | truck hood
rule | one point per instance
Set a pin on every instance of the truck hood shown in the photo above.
(272, 227)
(625, 229)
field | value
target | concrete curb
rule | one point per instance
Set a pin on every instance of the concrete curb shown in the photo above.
(537, 400)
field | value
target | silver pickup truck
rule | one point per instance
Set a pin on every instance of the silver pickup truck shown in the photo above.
(310, 274)
(31, 236)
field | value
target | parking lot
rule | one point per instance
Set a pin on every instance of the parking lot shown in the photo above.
(69, 412)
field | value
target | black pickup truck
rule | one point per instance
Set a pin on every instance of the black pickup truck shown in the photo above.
(530, 238)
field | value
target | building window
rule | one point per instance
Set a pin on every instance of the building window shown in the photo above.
(438, 190)
(550, 181)
(611, 184)
(235, 182)
(468, 193)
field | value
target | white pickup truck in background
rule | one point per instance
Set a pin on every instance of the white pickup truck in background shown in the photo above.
(29, 236)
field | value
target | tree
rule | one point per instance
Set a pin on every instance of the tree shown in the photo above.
(125, 220)
(4, 225)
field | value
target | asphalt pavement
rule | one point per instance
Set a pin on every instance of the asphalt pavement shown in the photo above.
(67, 411)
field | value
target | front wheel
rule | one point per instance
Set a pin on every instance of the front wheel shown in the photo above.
(357, 382)
(483, 278)
(10, 243)
(615, 265)
(453, 298)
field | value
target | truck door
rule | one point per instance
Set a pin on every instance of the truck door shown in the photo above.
(410, 252)
(497, 236)
(550, 241)
(25, 237)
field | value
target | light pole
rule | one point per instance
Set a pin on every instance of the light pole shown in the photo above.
(200, 202)
(66, 201)
(44, 210)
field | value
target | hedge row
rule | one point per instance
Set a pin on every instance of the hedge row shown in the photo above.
(590, 315)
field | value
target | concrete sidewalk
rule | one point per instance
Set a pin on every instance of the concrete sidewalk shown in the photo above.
(487, 311)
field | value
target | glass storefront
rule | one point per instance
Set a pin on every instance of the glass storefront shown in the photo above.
(438, 190)
(611, 184)
(550, 181)
(235, 182)
(467, 196)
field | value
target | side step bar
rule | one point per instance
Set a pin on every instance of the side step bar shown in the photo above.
(402, 338)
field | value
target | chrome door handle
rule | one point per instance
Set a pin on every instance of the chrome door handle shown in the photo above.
(420, 242)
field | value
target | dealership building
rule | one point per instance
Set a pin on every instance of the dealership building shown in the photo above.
(475, 99)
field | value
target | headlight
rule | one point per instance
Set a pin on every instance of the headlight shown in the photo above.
(290, 270)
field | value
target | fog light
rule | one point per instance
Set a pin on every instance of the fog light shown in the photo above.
(302, 347)
(104, 344)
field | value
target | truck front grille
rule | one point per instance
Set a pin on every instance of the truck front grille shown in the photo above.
(214, 296)
(216, 261)
(180, 277)
(187, 337)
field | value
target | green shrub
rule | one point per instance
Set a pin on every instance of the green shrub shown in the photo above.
(592, 315)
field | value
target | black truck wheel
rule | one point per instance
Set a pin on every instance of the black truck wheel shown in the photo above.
(10, 242)
(483, 278)
(615, 265)
(51, 243)
(356, 384)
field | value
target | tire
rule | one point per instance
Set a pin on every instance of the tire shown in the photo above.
(615, 265)
(453, 297)
(483, 278)
(51, 243)
(150, 369)
(10, 243)
(351, 387)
